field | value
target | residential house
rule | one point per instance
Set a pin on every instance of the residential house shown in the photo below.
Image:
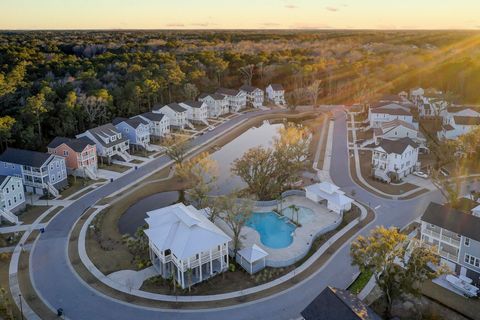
(237, 100)
(217, 104)
(456, 237)
(338, 304)
(158, 123)
(136, 130)
(389, 112)
(276, 94)
(80, 155)
(185, 245)
(197, 111)
(176, 114)
(109, 142)
(397, 129)
(254, 96)
(416, 93)
(335, 199)
(395, 159)
(458, 121)
(41, 173)
(12, 197)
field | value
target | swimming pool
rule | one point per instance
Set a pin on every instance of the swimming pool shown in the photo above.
(275, 231)
(304, 214)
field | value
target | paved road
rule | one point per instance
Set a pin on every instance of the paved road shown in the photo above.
(61, 287)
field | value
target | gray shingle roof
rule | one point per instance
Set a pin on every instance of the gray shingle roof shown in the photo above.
(77, 145)
(107, 130)
(174, 106)
(248, 88)
(467, 121)
(193, 104)
(25, 157)
(215, 96)
(227, 92)
(133, 122)
(152, 116)
(276, 86)
(337, 304)
(453, 220)
(397, 146)
(3, 178)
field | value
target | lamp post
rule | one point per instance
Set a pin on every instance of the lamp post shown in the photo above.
(21, 306)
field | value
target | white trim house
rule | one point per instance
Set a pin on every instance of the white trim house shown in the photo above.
(276, 93)
(255, 96)
(395, 159)
(217, 104)
(197, 111)
(388, 113)
(159, 124)
(237, 100)
(12, 197)
(175, 112)
(185, 244)
(336, 199)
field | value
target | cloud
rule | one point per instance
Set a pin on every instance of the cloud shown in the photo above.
(291, 6)
(332, 9)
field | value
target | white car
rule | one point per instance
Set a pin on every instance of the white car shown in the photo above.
(421, 174)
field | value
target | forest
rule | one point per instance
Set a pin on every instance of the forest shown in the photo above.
(59, 83)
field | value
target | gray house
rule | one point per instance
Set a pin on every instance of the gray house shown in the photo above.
(456, 236)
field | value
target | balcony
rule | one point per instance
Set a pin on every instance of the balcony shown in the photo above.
(449, 240)
(432, 233)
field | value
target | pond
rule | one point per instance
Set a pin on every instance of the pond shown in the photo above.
(253, 137)
(135, 215)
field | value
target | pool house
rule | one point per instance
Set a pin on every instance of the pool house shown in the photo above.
(335, 198)
(185, 244)
(252, 258)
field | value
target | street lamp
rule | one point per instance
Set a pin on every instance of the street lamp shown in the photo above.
(21, 306)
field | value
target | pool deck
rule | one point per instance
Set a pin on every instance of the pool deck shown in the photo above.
(322, 221)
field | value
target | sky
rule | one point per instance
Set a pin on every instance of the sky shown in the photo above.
(244, 14)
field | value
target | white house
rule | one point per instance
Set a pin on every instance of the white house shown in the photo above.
(217, 104)
(276, 93)
(176, 113)
(254, 96)
(335, 198)
(458, 121)
(109, 141)
(416, 93)
(395, 159)
(389, 112)
(398, 129)
(12, 197)
(159, 124)
(185, 244)
(197, 111)
(237, 100)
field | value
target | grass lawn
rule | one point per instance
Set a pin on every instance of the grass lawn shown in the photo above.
(142, 153)
(136, 161)
(6, 297)
(364, 135)
(75, 185)
(31, 213)
(9, 239)
(113, 167)
(360, 282)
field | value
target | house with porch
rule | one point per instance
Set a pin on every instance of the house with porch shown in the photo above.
(184, 244)
(276, 94)
(158, 123)
(109, 142)
(136, 130)
(389, 112)
(80, 155)
(458, 121)
(395, 159)
(176, 114)
(41, 173)
(12, 198)
(335, 199)
(217, 104)
(456, 238)
(255, 96)
(197, 111)
(237, 100)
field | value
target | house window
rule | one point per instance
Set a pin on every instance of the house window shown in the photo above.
(9, 202)
(58, 164)
(65, 152)
(8, 191)
(13, 187)
(14, 199)
(466, 242)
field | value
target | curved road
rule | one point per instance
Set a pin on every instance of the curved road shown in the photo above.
(60, 286)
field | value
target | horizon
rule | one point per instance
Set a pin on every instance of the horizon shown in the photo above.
(30, 15)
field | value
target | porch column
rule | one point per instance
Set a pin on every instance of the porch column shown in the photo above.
(211, 264)
(178, 274)
(183, 279)
(200, 266)
(221, 258)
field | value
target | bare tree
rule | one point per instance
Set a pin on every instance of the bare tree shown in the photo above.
(313, 91)
(94, 107)
(190, 91)
(247, 73)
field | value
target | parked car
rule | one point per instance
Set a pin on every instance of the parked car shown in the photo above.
(444, 172)
(421, 174)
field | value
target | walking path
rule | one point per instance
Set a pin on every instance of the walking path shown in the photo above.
(24, 227)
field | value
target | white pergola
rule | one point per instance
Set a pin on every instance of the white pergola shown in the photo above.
(336, 199)
(252, 259)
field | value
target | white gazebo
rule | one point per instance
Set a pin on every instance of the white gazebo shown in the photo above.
(336, 199)
(185, 244)
(476, 211)
(252, 259)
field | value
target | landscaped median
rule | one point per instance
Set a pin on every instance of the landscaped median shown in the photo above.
(318, 256)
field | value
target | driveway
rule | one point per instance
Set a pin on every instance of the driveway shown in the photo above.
(59, 286)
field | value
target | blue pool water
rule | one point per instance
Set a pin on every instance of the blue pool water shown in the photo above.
(275, 232)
